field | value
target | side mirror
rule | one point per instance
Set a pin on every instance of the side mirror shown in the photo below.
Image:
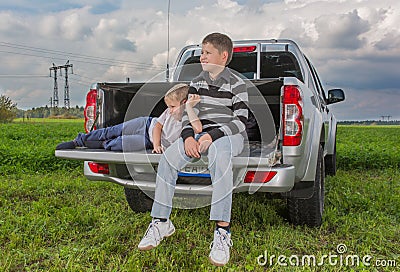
(335, 96)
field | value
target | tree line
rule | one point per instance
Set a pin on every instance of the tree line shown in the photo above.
(370, 122)
(48, 112)
(9, 111)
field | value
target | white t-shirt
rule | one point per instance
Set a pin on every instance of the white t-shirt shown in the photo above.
(171, 130)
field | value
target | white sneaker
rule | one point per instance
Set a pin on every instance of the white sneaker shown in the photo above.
(156, 231)
(219, 254)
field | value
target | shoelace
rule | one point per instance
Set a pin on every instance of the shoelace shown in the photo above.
(222, 239)
(153, 230)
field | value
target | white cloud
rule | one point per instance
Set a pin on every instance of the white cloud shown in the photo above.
(341, 31)
(48, 26)
(353, 43)
(12, 25)
(228, 5)
(390, 41)
(74, 26)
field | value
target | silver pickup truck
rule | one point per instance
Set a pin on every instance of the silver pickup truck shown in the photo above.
(291, 143)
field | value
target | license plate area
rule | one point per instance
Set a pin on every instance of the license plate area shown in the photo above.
(193, 173)
(199, 171)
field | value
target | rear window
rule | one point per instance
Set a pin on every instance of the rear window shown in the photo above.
(280, 64)
(191, 68)
(273, 65)
(245, 63)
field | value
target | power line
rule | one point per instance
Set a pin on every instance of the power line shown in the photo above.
(82, 83)
(55, 89)
(386, 116)
(55, 68)
(21, 76)
(66, 88)
(46, 76)
(78, 75)
(82, 61)
(57, 52)
(88, 57)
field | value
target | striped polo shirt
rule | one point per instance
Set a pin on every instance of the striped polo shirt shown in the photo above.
(222, 109)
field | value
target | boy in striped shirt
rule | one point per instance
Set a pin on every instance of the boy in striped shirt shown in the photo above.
(217, 129)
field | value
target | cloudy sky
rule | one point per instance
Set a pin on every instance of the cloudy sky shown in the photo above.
(354, 44)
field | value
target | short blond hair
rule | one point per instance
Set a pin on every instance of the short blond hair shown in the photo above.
(178, 92)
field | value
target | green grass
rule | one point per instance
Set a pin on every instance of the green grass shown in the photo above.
(56, 220)
(368, 147)
(28, 147)
(48, 120)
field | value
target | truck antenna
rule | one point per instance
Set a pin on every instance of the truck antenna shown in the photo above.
(167, 72)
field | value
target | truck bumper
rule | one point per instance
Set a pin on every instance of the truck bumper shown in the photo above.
(141, 174)
(282, 182)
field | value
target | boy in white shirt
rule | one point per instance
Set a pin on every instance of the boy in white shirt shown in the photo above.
(143, 132)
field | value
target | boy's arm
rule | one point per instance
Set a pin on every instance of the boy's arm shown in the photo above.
(157, 130)
(187, 134)
(187, 128)
(194, 120)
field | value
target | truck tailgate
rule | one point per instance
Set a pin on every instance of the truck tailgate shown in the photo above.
(142, 165)
(146, 157)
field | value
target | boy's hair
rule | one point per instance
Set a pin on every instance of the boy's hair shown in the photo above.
(221, 42)
(177, 92)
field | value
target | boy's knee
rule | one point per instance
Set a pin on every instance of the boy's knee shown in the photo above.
(219, 151)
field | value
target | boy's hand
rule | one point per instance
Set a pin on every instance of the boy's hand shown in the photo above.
(192, 147)
(158, 149)
(204, 142)
(193, 100)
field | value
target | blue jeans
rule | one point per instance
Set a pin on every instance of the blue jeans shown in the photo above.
(129, 136)
(219, 155)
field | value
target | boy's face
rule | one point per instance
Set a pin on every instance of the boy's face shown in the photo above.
(211, 59)
(175, 107)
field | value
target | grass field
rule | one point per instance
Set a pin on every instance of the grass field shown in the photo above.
(53, 219)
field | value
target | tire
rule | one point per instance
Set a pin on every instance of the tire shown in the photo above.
(138, 201)
(330, 163)
(309, 211)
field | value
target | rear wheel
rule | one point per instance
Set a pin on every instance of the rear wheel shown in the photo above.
(309, 211)
(138, 201)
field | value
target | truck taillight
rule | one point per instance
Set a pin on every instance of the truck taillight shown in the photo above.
(90, 109)
(259, 176)
(292, 115)
(99, 168)
(244, 49)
